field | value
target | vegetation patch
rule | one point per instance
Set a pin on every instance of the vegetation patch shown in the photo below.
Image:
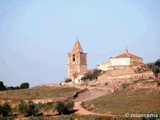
(37, 93)
(127, 101)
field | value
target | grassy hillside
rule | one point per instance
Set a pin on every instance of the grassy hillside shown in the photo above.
(37, 93)
(139, 101)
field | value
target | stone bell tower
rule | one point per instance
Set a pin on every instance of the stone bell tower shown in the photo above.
(77, 60)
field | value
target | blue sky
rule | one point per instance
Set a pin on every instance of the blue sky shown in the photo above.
(36, 35)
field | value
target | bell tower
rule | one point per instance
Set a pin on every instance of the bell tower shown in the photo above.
(77, 60)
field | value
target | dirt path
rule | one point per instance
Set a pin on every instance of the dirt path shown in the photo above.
(88, 95)
(81, 110)
(91, 94)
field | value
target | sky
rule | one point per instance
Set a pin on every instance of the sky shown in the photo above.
(36, 35)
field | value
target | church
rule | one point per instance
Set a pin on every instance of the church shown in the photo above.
(123, 60)
(77, 62)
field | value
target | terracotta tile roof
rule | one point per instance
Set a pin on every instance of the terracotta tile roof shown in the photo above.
(77, 47)
(134, 63)
(127, 55)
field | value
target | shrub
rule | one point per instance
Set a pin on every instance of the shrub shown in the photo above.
(30, 108)
(36, 118)
(91, 75)
(121, 118)
(124, 85)
(151, 112)
(5, 109)
(68, 80)
(7, 118)
(155, 67)
(156, 70)
(64, 107)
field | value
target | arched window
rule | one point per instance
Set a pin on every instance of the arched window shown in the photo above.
(73, 57)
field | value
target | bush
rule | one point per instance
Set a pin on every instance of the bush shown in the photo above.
(124, 85)
(64, 107)
(91, 75)
(121, 118)
(5, 109)
(30, 108)
(36, 118)
(68, 80)
(155, 67)
(152, 117)
(156, 70)
(7, 118)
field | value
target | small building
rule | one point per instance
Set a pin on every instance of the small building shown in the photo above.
(123, 60)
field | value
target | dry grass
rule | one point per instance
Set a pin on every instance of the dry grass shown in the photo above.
(37, 93)
(139, 101)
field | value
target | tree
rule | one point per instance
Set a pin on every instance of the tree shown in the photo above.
(68, 80)
(91, 75)
(22, 107)
(155, 67)
(30, 108)
(10, 88)
(17, 87)
(150, 65)
(5, 109)
(64, 107)
(157, 63)
(24, 85)
(156, 70)
(2, 87)
(96, 73)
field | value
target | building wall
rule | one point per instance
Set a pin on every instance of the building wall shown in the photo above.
(114, 62)
(120, 61)
(104, 66)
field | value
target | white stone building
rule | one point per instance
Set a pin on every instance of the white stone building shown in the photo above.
(123, 60)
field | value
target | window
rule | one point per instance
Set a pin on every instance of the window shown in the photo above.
(73, 57)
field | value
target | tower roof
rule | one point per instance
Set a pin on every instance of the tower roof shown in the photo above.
(77, 47)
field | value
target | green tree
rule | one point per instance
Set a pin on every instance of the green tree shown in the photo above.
(2, 87)
(150, 65)
(17, 87)
(87, 76)
(5, 109)
(22, 107)
(157, 63)
(96, 73)
(156, 70)
(30, 108)
(10, 88)
(155, 67)
(68, 80)
(64, 107)
(24, 85)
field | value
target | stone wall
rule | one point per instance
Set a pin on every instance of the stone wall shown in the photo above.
(146, 75)
(79, 64)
